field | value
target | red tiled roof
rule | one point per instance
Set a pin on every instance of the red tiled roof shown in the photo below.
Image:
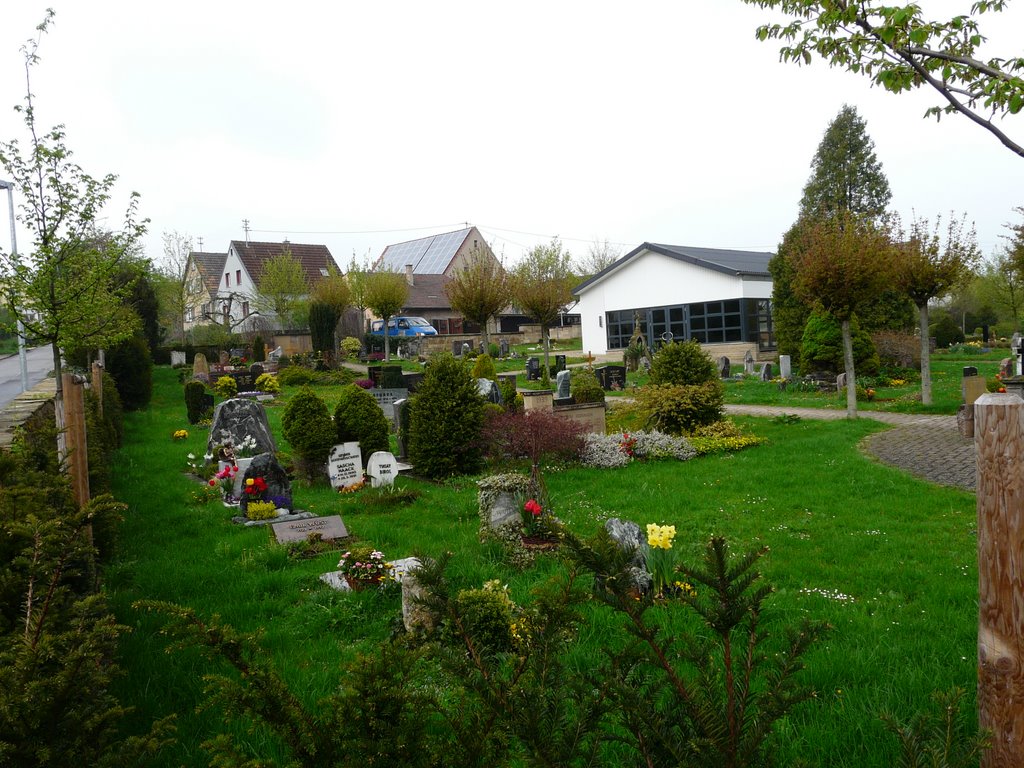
(210, 266)
(313, 258)
(428, 293)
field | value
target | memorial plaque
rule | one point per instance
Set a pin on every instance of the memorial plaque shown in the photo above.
(386, 399)
(330, 527)
(345, 465)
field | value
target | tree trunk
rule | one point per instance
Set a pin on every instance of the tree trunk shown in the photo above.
(545, 336)
(387, 341)
(485, 337)
(851, 376)
(58, 412)
(926, 363)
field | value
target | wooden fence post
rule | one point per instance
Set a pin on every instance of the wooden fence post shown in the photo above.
(999, 440)
(78, 453)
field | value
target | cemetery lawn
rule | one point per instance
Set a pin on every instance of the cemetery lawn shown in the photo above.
(888, 560)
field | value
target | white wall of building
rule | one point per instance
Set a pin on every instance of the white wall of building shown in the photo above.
(654, 280)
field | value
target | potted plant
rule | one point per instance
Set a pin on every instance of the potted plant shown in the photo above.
(364, 566)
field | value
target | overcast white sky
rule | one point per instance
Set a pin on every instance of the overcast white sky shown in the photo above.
(360, 124)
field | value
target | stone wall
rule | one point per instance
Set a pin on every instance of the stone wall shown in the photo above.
(590, 415)
(28, 408)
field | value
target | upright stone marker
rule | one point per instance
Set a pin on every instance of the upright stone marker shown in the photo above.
(748, 364)
(382, 469)
(201, 368)
(177, 357)
(724, 367)
(562, 385)
(503, 347)
(345, 465)
(785, 367)
(766, 372)
(399, 406)
(236, 419)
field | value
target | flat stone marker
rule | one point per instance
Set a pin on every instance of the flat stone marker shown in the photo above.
(345, 465)
(330, 527)
(382, 469)
(399, 568)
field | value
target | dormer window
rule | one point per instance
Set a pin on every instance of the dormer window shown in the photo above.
(323, 272)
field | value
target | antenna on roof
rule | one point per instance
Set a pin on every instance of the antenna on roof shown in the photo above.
(245, 226)
(200, 240)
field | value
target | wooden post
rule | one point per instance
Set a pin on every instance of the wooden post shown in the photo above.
(78, 453)
(97, 385)
(999, 439)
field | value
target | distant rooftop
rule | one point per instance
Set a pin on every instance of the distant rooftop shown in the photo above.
(427, 255)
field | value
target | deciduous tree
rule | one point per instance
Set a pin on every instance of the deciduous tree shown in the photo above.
(840, 262)
(480, 290)
(927, 265)
(281, 288)
(65, 289)
(174, 293)
(600, 255)
(542, 286)
(900, 50)
(385, 296)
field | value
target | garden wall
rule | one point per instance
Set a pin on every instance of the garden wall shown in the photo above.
(28, 408)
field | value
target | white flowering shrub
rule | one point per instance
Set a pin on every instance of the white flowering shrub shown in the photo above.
(616, 450)
(658, 445)
(603, 451)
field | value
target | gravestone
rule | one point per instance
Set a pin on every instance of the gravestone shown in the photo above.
(630, 538)
(1006, 368)
(748, 364)
(382, 469)
(279, 487)
(399, 406)
(766, 372)
(327, 528)
(532, 369)
(416, 617)
(503, 347)
(509, 378)
(244, 381)
(466, 349)
(970, 370)
(724, 367)
(225, 358)
(785, 367)
(559, 363)
(488, 390)
(413, 380)
(562, 385)
(615, 377)
(386, 398)
(345, 465)
(256, 370)
(973, 387)
(236, 419)
(841, 382)
(177, 357)
(201, 368)
(457, 348)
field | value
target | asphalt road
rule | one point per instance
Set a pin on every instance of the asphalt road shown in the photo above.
(40, 363)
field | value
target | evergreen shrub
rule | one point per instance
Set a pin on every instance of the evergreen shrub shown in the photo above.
(267, 382)
(679, 409)
(822, 346)
(946, 331)
(295, 376)
(483, 368)
(308, 428)
(584, 386)
(131, 365)
(445, 424)
(358, 418)
(682, 362)
(259, 349)
(195, 390)
(226, 387)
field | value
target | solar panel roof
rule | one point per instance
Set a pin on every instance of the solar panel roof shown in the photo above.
(428, 255)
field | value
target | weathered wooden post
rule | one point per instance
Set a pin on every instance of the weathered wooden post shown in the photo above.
(78, 453)
(999, 440)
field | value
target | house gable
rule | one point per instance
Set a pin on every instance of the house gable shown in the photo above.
(435, 255)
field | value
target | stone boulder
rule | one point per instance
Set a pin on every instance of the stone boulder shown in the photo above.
(488, 390)
(279, 487)
(631, 538)
(234, 420)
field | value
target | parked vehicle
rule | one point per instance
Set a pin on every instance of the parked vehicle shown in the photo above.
(403, 326)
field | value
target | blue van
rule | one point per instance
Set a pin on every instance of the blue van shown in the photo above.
(403, 326)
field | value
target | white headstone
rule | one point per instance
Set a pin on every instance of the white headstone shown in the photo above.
(382, 468)
(177, 357)
(345, 465)
(785, 367)
(748, 364)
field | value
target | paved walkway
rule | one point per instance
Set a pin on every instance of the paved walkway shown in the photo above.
(929, 447)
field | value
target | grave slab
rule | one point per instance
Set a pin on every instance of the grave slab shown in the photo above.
(329, 527)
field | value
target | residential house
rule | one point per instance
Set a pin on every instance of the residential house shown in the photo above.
(721, 298)
(428, 263)
(230, 280)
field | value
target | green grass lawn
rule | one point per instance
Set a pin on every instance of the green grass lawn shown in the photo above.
(888, 560)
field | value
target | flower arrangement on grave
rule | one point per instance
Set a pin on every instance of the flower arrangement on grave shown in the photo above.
(354, 487)
(261, 510)
(180, 434)
(362, 566)
(532, 514)
(225, 478)
(254, 488)
(627, 445)
(661, 558)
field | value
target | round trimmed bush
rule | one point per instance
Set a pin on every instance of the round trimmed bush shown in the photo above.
(308, 428)
(483, 368)
(267, 382)
(295, 376)
(679, 409)
(822, 346)
(682, 362)
(358, 418)
(226, 387)
(446, 421)
(584, 386)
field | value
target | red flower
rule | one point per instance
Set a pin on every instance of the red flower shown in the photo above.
(532, 507)
(213, 482)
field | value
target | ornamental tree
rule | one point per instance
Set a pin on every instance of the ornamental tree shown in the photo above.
(385, 296)
(542, 287)
(480, 290)
(840, 263)
(927, 266)
(282, 289)
(900, 50)
(65, 290)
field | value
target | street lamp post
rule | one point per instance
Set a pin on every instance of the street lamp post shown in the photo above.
(9, 186)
